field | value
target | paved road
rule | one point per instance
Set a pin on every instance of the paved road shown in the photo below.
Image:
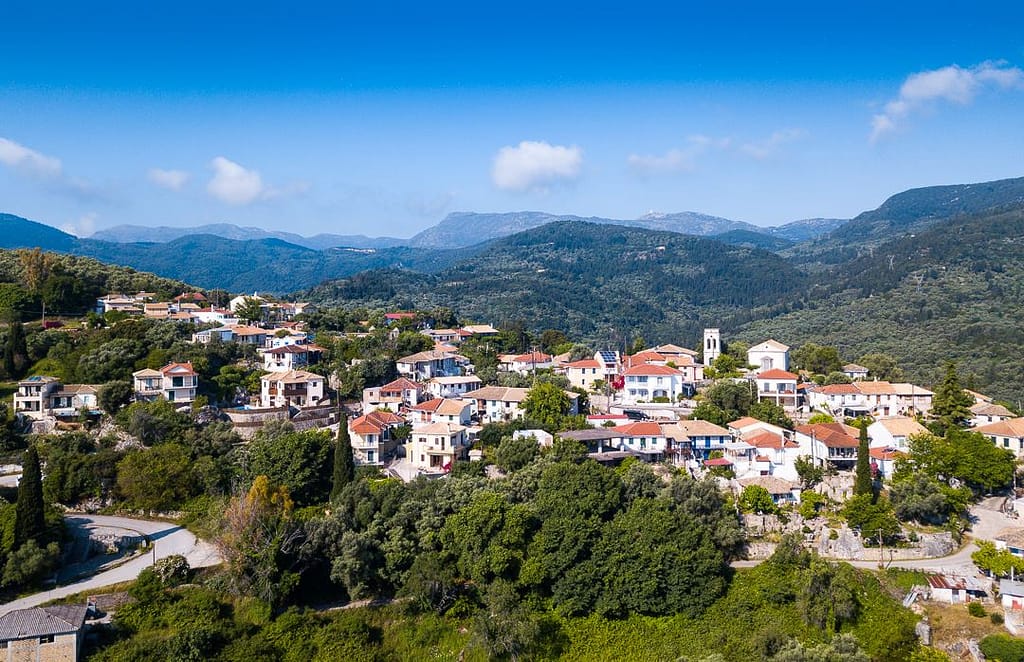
(170, 539)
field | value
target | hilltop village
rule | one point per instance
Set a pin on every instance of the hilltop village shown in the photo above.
(196, 410)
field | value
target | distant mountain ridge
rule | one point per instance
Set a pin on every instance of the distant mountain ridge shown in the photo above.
(131, 234)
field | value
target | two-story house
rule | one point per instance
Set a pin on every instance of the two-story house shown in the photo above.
(524, 364)
(1008, 434)
(696, 439)
(175, 382)
(643, 438)
(33, 396)
(442, 410)
(833, 443)
(434, 447)
(584, 374)
(291, 356)
(779, 387)
(295, 388)
(649, 382)
(429, 364)
(372, 437)
(894, 432)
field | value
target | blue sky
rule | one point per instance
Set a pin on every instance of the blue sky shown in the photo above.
(380, 119)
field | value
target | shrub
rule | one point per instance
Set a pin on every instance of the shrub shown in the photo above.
(996, 618)
(976, 609)
(1002, 647)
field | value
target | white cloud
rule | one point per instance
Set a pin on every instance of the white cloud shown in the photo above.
(762, 149)
(234, 184)
(174, 180)
(535, 165)
(28, 160)
(953, 84)
(85, 226)
(677, 159)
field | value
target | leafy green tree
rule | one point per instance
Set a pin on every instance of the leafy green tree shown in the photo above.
(300, 461)
(756, 499)
(153, 422)
(872, 517)
(962, 455)
(820, 417)
(344, 463)
(710, 412)
(515, 453)
(811, 503)
(250, 310)
(922, 498)
(159, 478)
(113, 396)
(30, 512)
(733, 398)
(996, 562)
(504, 629)
(882, 367)
(29, 563)
(837, 377)
(817, 359)
(829, 595)
(863, 483)
(769, 412)
(488, 538)
(951, 404)
(810, 473)
(548, 405)
(411, 342)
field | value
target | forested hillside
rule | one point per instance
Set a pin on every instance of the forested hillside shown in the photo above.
(597, 281)
(955, 291)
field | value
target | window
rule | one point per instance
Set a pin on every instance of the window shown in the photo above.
(48, 639)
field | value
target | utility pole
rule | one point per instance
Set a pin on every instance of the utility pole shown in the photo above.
(881, 556)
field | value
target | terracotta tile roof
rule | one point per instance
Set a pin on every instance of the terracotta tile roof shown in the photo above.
(886, 453)
(853, 367)
(767, 439)
(293, 376)
(777, 374)
(638, 429)
(429, 355)
(771, 483)
(585, 363)
(1011, 535)
(833, 435)
(717, 462)
(439, 428)
(699, 428)
(401, 384)
(744, 422)
(989, 409)
(183, 369)
(532, 357)
(838, 389)
(1012, 427)
(673, 349)
(374, 422)
(875, 388)
(902, 426)
(502, 393)
(651, 369)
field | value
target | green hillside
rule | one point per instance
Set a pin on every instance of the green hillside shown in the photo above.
(597, 281)
(954, 291)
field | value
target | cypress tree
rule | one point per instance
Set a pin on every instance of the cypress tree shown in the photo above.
(15, 351)
(863, 484)
(344, 463)
(29, 515)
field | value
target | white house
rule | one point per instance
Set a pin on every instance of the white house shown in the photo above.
(1008, 434)
(497, 403)
(984, 413)
(442, 410)
(434, 448)
(778, 386)
(643, 438)
(883, 461)
(372, 436)
(696, 439)
(175, 382)
(524, 364)
(70, 399)
(290, 357)
(33, 394)
(648, 381)
(402, 392)
(955, 590)
(542, 437)
(584, 374)
(423, 366)
(453, 387)
(855, 372)
(894, 432)
(769, 355)
(834, 443)
(295, 388)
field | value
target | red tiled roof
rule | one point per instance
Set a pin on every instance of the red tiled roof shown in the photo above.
(839, 389)
(638, 429)
(401, 384)
(650, 369)
(833, 435)
(535, 357)
(429, 405)
(717, 462)
(374, 422)
(175, 366)
(585, 363)
(777, 374)
(1011, 427)
(886, 453)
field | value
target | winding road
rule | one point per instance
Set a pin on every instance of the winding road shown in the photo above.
(169, 539)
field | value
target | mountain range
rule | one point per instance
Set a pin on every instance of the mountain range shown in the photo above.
(463, 229)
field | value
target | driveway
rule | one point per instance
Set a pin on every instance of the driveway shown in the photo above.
(168, 539)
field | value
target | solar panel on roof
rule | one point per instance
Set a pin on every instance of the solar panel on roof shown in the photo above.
(607, 356)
